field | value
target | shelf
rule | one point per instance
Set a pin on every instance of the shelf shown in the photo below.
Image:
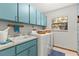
(60, 23)
(60, 30)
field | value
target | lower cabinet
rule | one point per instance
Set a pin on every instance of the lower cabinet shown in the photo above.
(32, 51)
(24, 53)
(28, 52)
(28, 48)
(8, 52)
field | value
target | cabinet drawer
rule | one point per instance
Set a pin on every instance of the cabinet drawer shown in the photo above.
(24, 46)
(24, 53)
(33, 51)
(8, 52)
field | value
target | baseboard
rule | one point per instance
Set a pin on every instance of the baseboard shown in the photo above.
(66, 49)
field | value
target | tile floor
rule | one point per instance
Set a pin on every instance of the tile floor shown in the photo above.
(67, 53)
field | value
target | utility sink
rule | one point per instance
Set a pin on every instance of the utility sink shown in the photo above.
(19, 38)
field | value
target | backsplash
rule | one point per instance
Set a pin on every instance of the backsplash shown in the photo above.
(23, 30)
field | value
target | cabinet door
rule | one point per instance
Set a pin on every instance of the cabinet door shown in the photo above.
(45, 20)
(8, 52)
(38, 17)
(24, 12)
(42, 19)
(24, 53)
(32, 15)
(25, 46)
(33, 51)
(8, 11)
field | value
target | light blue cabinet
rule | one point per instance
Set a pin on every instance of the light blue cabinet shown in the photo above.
(8, 52)
(33, 51)
(8, 11)
(23, 53)
(23, 12)
(32, 15)
(24, 46)
(38, 18)
(43, 20)
(27, 49)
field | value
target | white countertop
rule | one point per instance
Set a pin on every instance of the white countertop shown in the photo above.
(19, 40)
(16, 41)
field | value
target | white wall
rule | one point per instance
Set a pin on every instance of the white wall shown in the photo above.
(65, 39)
(24, 30)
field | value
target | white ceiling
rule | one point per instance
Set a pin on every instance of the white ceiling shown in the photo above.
(46, 7)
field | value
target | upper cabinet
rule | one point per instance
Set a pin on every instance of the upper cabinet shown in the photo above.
(8, 11)
(43, 20)
(32, 15)
(38, 18)
(23, 12)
